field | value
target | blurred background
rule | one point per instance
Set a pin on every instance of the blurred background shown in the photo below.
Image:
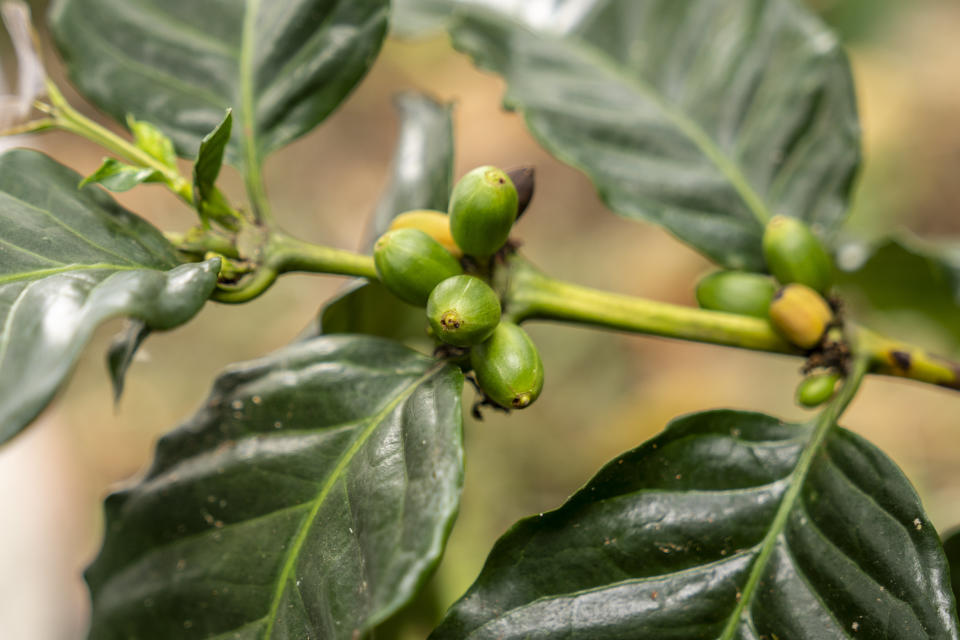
(605, 392)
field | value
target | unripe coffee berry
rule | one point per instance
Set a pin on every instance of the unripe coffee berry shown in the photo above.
(508, 367)
(748, 294)
(410, 264)
(483, 208)
(794, 254)
(463, 310)
(816, 389)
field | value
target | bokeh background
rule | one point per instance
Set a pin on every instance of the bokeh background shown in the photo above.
(605, 392)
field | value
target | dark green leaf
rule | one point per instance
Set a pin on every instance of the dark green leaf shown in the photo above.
(951, 545)
(116, 176)
(150, 139)
(210, 158)
(368, 308)
(422, 173)
(69, 259)
(705, 117)
(904, 276)
(282, 66)
(661, 542)
(121, 352)
(309, 498)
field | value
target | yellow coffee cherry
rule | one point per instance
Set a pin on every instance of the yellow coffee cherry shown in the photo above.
(800, 315)
(435, 224)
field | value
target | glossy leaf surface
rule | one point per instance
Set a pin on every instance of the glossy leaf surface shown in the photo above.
(951, 545)
(421, 177)
(660, 544)
(309, 498)
(369, 308)
(704, 117)
(70, 259)
(282, 66)
(121, 352)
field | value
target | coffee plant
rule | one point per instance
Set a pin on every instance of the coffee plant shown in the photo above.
(312, 494)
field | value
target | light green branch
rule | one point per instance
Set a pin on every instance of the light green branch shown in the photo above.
(534, 296)
(531, 295)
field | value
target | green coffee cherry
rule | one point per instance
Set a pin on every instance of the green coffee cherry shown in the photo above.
(817, 389)
(410, 264)
(435, 224)
(794, 254)
(508, 367)
(800, 315)
(463, 310)
(748, 294)
(483, 208)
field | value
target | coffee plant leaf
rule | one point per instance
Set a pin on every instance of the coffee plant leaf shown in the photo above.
(904, 275)
(69, 259)
(421, 175)
(118, 177)
(121, 352)
(664, 540)
(179, 64)
(707, 118)
(951, 545)
(310, 496)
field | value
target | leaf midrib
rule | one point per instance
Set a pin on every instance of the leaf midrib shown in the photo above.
(248, 121)
(332, 480)
(43, 273)
(822, 427)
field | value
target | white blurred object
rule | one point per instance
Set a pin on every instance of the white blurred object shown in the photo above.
(42, 502)
(31, 76)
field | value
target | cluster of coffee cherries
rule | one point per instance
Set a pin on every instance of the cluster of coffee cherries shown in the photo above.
(443, 262)
(793, 300)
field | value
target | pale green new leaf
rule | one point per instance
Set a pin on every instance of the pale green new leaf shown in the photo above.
(118, 177)
(155, 142)
(209, 161)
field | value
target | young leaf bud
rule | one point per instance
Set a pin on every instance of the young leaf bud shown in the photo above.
(800, 315)
(508, 367)
(410, 264)
(748, 294)
(794, 254)
(463, 310)
(523, 180)
(483, 208)
(816, 389)
(435, 224)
